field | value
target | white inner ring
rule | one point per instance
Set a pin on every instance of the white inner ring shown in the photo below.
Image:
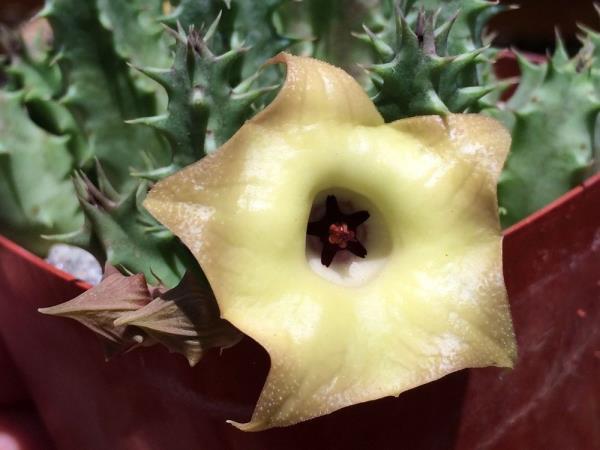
(346, 268)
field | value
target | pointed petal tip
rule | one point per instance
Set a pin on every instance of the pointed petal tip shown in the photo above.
(193, 360)
(48, 311)
(329, 93)
(64, 309)
(248, 426)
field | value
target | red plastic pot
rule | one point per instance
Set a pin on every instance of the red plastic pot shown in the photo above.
(150, 399)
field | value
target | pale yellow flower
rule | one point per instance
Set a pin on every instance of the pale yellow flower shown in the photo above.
(428, 299)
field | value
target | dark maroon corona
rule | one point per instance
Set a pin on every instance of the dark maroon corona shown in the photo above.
(337, 231)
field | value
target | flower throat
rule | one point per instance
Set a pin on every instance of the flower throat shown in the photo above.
(337, 231)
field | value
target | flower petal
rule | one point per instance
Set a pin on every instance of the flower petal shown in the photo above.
(315, 92)
(480, 140)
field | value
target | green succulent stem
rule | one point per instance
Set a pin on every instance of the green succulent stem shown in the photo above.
(425, 68)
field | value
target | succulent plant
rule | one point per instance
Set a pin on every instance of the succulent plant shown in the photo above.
(424, 68)
(126, 312)
(35, 162)
(101, 93)
(553, 119)
(204, 109)
(99, 307)
(301, 222)
(35, 187)
(85, 104)
(243, 24)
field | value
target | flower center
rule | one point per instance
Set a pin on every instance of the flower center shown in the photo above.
(337, 231)
(339, 234)
(341, 225)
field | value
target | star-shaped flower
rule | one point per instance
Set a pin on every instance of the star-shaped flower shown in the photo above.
(337, 231)
(427, 299)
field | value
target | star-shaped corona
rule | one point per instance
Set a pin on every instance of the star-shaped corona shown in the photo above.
(337, 231)
(427, 299)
